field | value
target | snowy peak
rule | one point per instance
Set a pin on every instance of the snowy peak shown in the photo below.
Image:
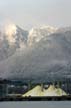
(10, 31)
(15, 34)
(35, 35)
(47, 53)
(50, 29)
(12, 38)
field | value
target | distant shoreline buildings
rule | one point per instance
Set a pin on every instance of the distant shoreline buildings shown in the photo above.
(16, 88)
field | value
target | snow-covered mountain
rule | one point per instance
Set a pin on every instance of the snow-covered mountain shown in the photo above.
(41, 54)
(12, 37)
(37, 34)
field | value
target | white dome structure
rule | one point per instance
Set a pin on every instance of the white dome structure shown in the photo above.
(36, 91)
(51, 91)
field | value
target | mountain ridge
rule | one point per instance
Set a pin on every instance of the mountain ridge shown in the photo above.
(44, 54)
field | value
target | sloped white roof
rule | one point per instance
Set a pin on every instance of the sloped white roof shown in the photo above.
(36, 91)
(51, 91)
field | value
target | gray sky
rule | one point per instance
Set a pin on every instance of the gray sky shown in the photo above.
(32, 13)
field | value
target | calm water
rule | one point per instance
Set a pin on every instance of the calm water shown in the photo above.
(51, 104)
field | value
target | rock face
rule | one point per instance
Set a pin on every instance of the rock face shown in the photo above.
(38, 55)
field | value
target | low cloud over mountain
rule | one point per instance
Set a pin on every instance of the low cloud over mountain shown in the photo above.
(40, 54)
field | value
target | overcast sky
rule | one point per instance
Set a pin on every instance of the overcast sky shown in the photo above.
(32, 13)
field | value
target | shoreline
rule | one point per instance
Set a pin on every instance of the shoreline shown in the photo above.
(49, 98)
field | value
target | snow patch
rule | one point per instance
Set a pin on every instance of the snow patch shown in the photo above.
(10, 31)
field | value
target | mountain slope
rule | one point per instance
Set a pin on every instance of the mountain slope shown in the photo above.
(47, 59)
(11, 38)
